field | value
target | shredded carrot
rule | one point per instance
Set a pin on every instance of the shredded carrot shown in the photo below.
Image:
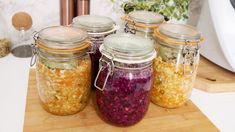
(63, 91)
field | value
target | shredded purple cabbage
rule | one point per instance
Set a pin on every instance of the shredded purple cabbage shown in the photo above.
(125, 99)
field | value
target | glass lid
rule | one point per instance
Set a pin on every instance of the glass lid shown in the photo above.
(128, 48)
(180, 32)
(62, 37)
(92, 23)
(146, 17)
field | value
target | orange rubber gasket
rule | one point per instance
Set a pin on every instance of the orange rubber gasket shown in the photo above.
(40, 45)
(168, 40)
(126, 18)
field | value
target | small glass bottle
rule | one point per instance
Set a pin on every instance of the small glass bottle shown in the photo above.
(63, 69)
(124, 79)
(175, 66)
(21, 43)
(98, 27)
(142, 23)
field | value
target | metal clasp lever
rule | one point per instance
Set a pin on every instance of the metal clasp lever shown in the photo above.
(34, 57)
(104, 65)
(34, 49)
(93, 48)
(189, 58)
(130, 29)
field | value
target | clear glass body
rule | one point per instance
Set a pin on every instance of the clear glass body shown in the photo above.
(63, 81)
(126, 95)
(22, 43)
(145, 32)
(175, 69)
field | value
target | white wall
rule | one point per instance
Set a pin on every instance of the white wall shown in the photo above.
(43, 12)
(107, 8)
(46, 12)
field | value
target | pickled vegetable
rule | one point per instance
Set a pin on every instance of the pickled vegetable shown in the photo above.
(64, 87)
(171, 87)
(4, 47)
(125, 98)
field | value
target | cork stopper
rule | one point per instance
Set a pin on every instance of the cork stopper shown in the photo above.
(22, 20)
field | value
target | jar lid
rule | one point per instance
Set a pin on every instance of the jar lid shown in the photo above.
(146, 17)
(62, 38)
(128, 48)
(178, 34)
(92, 23)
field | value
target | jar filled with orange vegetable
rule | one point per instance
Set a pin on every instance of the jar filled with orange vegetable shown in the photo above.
(63, 69)
(175, 66)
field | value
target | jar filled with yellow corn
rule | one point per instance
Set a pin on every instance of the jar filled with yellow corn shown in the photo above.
(175, 66)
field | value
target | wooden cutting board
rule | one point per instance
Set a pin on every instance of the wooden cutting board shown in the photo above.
(213, 78)
(186, 118)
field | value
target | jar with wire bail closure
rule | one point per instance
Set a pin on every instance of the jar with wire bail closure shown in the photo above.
(98, 27)
(63, 69)
(124, 79)
(175, 66)
(142, 23)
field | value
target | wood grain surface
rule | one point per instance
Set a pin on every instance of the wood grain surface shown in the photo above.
(185, 119)
(212, 78)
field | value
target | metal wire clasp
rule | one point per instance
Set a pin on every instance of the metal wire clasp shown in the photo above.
(104, 65)
(189, 57)
(93, 48)
(130, 28)
(34, 49)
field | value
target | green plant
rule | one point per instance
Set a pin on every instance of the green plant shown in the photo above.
(171, 9)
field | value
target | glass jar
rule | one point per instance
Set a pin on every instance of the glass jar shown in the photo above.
(142, 23)
(63, 69)
(4, 39)
(23, 35)
(124, 79)
(175, 66)
(98, 27)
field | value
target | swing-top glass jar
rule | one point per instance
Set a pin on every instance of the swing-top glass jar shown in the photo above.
(125, 78)
(175, 66)
(142, 23)
(63, 69)
(97, 27)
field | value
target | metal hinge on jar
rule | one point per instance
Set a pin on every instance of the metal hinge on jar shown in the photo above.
(190, 56)
(93, 48)
(130, 28)
(104, 65)
(34, 50)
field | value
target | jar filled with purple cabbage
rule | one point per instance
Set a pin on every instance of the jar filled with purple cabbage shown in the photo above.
(97, 27)
(124, 79)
